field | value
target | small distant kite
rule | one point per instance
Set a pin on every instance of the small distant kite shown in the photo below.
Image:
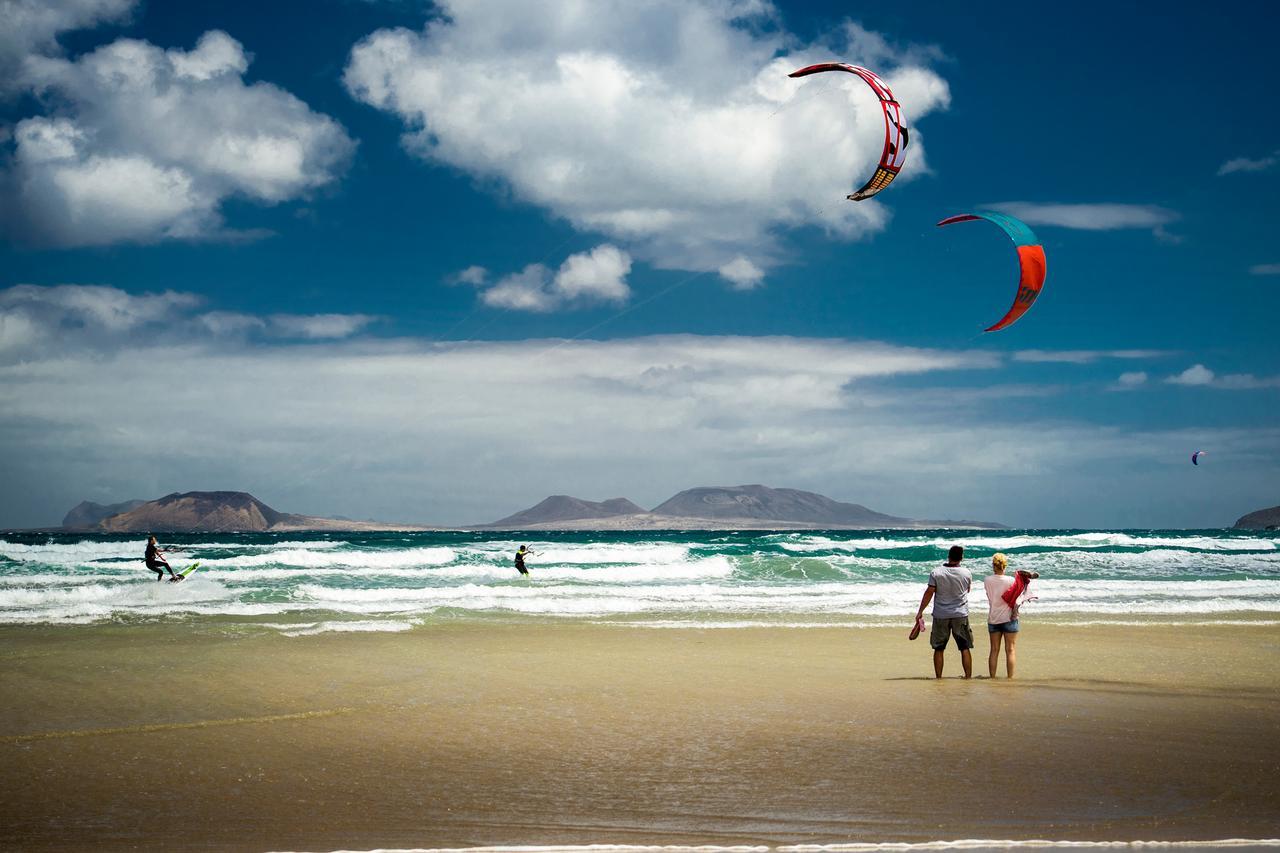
(1031, 262)
(1195, 457)
(894, 153)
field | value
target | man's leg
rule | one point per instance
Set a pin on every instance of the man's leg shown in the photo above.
(964, 642)
(939, 634)
(994, 657)
(1010, 656)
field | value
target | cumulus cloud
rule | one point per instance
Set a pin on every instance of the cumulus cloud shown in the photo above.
(1199, 375)
(31, 27)
(142, 144)
(742, 273)
(671, 126)
(1196, 374)
(1245, 164)
(1090, 217)
(599, 275)
(1131, 379)
(1264, 269)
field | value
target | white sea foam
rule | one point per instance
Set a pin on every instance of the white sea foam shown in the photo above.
(871, 599)
(98, 601)
(809, 544)
(793, 579)
(363, 626)
(308, 558)
(587, 553)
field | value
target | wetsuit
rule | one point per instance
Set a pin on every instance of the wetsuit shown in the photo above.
(154, 563)
(520, 563)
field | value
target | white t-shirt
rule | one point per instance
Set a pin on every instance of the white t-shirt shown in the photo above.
(997, 611)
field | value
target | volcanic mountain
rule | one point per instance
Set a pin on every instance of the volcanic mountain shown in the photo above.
(753, 507)
(212, 512)
(1263, 519)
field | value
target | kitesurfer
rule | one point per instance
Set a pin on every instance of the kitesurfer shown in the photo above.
(156, 563)
(521, 553)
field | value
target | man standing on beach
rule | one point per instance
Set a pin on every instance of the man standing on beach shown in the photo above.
(949, 590)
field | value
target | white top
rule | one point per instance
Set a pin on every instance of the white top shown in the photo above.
(997, 611)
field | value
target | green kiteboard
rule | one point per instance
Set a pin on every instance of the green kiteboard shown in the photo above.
(188, 570)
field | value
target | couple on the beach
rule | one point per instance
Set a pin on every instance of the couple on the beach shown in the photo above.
(949, 590)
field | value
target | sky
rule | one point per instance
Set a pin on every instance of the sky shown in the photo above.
(430, 263)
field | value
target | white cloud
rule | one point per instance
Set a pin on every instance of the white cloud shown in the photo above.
(1036, 356)
(1199, 375)
(1264, 269)
(669, 126)
(1132, 379)
(595, 276)
(102, 309)
(1089, 217)
(469, 431)
(1244, 164)
(526, 290)
(145, 144)
(1196, 374)
(40, 322)
(230, 322)
(474, 275)
(33, 26)
(743, 273)
(319, 326)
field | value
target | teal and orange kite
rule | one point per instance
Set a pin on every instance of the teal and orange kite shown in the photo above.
(1031, 261)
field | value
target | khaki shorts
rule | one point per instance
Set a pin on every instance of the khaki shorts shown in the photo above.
(944, 629)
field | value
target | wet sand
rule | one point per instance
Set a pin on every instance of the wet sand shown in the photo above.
(174, 737)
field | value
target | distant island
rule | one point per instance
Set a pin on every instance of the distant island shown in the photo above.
(1263, 519)
(752, 507)
(206, 512)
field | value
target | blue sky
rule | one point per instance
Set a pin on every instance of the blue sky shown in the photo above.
(233, 240)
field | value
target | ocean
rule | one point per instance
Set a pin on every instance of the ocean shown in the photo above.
(300, 584)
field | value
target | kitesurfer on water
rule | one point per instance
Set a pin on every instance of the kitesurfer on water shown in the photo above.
(521, 553)
(156, 563)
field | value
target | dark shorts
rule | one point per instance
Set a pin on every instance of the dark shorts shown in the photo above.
(945, 629)
(158, 567)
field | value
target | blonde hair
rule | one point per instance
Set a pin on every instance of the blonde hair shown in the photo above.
(999, 561)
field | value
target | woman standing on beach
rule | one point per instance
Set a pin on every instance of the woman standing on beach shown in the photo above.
(1002, 613)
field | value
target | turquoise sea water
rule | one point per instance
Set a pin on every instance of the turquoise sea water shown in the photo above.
(308, 583)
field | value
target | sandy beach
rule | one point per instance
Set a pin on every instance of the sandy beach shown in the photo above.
(159, 736)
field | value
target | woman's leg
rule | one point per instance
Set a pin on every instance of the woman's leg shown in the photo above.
(994, 657)
(1010, 653)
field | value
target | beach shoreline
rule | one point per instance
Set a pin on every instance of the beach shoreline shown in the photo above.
(537, 733)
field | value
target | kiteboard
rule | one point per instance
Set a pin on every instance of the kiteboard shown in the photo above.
(188, 570)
